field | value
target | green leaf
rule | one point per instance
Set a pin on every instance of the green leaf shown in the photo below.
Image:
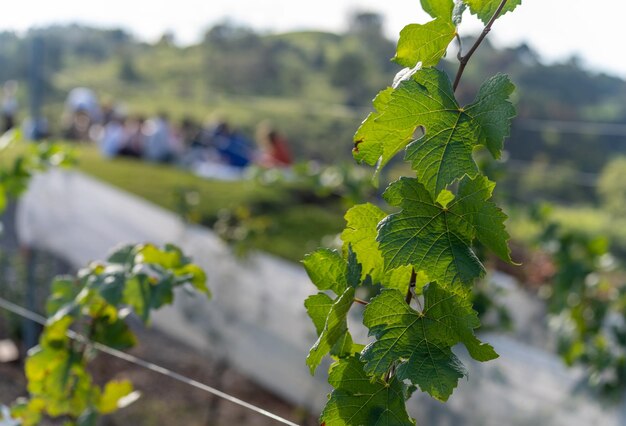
(444, 154)
(360, 234)
(426, 236)
(123, 255)
(492, 111)
(318, 306)
(437, 239)
(376, 142)
(425, 43)
(438, 8)
(399, 279)
(335, 326)
(360, 400)
(485, 9)
(110, 286)
(420, 343)
(115, 334)
(88, 418)
(28, 411)
(3, 198)
(63, 291)
(117, 394)
(353, 269)
(170, 257)
(486, 219)
(58, 377)
(137, 296)
(327, 270)
(193, 274)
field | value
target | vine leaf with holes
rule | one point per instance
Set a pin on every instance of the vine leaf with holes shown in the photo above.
(444, 153)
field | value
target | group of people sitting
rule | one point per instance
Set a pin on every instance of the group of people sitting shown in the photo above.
(213, 150)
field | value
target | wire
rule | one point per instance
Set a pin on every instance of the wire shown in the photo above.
(25, 313)
(572, 127)
(579, 178)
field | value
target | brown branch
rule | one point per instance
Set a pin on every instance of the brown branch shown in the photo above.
(361, 301)
(463, 60)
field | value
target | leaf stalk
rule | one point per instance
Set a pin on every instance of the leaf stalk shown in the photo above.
(464, 59)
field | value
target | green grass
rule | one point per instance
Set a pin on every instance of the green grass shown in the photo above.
(294, 228)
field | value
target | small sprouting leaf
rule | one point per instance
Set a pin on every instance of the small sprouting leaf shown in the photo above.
(360, 400)
(438, 8)
(485, 9)
(457, 13)
(422, 341)
(425, 43)
(327, 270)
(335, 326)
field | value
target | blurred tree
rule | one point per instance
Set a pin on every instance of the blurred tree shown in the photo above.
(352, 73)
(128, 72)
(611, 186)
(238, 60)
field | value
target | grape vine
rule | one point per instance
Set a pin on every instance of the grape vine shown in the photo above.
(422, 253)
(94, 306)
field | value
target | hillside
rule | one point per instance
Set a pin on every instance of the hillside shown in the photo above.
(316, 87)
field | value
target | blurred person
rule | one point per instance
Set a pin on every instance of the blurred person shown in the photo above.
(234, 149)
(189, 133)
(159, 143)
(81, 111)
(274, 150)
(112, 137)
(134, 138)
(9, 105)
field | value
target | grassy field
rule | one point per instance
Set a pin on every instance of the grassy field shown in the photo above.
(274, 218)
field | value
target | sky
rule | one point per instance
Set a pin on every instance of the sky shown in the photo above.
(557, 29)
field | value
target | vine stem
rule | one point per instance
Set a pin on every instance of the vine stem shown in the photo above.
(409, 293)
(361, 301)
(464, 59)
